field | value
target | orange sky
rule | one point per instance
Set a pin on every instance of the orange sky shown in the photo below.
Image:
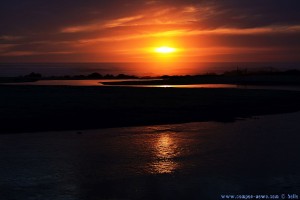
(201, 31)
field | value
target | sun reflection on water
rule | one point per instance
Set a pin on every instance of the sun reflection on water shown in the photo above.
(166, 149)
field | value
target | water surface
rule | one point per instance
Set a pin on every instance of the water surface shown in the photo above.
(99, 83)
(199, 160)
(76, 82)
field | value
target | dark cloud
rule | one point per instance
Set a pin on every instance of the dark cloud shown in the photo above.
(31, 16)
(254, 13)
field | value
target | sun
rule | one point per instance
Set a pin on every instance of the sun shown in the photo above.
(165, 50)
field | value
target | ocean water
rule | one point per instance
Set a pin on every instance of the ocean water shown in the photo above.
(199, 160)
(139, 69)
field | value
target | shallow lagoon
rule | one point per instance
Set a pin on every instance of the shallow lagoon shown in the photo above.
(199, 160)
(98, 83)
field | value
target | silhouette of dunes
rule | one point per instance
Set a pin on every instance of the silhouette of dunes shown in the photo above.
(44, 108)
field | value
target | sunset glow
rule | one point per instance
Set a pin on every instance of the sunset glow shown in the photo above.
(165, 50)
(171, 32)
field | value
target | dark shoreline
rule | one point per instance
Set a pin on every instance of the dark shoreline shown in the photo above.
(55, 108)
(271, 80)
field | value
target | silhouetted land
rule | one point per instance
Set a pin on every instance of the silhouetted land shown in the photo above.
(239, 77)
(36, 77)
(290, 77)
(44, 108)
(27, 78)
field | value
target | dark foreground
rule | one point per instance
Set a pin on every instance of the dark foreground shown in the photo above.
(201, 160)
(45, 108)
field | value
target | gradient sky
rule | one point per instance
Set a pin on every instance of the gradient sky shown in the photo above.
(127, 31)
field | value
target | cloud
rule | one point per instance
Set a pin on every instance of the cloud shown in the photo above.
(101, 25)
(273, 30)
(6, 47)
(33, 26)
(30, 53)
(10, 38)
(36, 16)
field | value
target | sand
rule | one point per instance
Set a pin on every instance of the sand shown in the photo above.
(46, 108)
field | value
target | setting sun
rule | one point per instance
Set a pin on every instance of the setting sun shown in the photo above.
(165, 50)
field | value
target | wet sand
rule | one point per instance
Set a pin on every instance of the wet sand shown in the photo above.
(199, 160)
(46, 108)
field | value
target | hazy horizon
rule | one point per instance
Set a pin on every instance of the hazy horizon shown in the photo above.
(153, 69)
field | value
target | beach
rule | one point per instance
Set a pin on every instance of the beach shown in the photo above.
(46, 108)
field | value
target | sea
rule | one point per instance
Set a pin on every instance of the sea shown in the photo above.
(197, 160)
(138, 69)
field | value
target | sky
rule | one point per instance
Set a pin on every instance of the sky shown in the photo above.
(129, 31)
